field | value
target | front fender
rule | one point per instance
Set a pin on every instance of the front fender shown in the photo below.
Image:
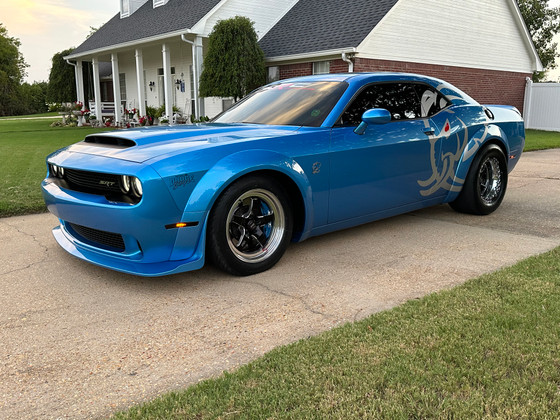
(232, 167)
(487, 133)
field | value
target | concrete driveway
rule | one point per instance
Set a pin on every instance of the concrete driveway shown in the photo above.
(80, 341)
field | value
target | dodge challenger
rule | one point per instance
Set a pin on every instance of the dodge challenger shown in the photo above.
(294, 159)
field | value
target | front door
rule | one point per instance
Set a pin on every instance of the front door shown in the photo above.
(383, 168)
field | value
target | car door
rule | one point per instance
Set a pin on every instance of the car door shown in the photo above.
(381, 169)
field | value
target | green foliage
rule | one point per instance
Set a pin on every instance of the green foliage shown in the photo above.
(12, 72)
(543, 23)
(35, 97)
(62, 84)
(202, 119)
(234, 63)
(159, 112)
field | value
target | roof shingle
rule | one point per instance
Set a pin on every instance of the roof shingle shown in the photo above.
(322, 25)
(147, 22)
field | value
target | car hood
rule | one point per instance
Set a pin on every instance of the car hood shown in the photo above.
(140, 145)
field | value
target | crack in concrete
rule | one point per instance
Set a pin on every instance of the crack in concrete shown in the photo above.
(34, 238)
(300, 299)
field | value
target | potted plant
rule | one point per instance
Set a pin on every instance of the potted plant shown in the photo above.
(164, 120)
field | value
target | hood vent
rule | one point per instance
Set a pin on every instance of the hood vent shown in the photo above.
(110, 141)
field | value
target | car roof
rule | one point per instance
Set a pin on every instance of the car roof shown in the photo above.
(453, 93)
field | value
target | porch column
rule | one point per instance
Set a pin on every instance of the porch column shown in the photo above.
(78, 69)
(116, 87)
(140, 80)
(197, 70)
(97, 88)
(167, 82)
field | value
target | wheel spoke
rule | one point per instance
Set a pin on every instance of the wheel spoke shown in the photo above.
(265, 219)
(256, 225)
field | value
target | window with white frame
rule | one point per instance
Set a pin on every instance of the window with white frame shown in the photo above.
(125, 8)
(321, 67)
(122, 83)
(273, 74)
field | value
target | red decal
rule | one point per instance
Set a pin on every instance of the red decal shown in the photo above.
(447, 128)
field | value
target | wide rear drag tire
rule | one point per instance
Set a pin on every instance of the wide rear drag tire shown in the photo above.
(486, 183)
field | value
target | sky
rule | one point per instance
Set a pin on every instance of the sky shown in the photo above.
(45, 27)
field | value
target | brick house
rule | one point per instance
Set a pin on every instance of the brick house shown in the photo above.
(156, 47)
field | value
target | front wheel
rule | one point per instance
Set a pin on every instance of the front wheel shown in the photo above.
(250, 226)
(485, 185)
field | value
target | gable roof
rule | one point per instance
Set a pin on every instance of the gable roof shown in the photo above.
(321, 25)
(147, 22)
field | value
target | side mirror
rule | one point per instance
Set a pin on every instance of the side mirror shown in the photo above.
(373, 116)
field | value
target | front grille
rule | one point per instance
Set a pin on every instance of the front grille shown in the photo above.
(99, 238)
(87, 181)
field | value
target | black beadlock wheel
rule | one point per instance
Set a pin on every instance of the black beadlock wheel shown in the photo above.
(486, 183)
(250, 226)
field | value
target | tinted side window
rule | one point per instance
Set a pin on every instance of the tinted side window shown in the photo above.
(403, 100)
(431, 101)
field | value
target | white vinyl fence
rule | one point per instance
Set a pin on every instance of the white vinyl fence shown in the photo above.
(542, 106)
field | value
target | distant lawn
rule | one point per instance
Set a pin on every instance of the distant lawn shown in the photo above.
(539, 140)
(24, 145)
(46, 114)
(487, 349)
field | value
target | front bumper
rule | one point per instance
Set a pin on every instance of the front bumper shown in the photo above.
(149, 248)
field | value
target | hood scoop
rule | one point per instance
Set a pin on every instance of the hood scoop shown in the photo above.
(107, 141)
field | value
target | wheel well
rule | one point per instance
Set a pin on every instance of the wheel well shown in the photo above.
(296, 199)
(500, 145)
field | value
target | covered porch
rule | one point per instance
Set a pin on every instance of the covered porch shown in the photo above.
(161, 75)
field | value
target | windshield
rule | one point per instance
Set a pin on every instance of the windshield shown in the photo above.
(290, 103)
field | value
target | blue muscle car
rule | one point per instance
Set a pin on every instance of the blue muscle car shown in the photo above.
(294, 159)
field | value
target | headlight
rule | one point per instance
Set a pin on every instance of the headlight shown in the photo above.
(136, 186)
(54, 170)
(61, 172)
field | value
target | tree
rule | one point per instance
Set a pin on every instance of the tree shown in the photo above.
(234, 63)
(12, 72)
(543, 24)
(34, 97)
(62, 85)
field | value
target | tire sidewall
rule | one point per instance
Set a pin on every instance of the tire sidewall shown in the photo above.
(217, 247)
(490, 151)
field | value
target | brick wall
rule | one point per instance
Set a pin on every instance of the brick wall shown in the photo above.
(485, 86)
(296, 70)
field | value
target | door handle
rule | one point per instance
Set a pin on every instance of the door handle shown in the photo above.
(429, 131)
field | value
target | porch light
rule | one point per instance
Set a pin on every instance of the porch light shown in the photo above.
(178, 83)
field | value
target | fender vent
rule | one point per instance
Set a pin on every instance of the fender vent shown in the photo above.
(110, 141)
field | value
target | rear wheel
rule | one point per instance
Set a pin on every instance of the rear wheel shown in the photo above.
(250, 226)
(485, 185)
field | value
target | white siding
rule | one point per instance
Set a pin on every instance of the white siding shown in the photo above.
(481, 34)
(264, 13)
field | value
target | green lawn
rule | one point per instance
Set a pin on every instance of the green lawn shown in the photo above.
(24, 144)
(540, 140)
(487, 349)
(46, 114)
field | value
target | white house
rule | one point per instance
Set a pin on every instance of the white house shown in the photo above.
(156, 47)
